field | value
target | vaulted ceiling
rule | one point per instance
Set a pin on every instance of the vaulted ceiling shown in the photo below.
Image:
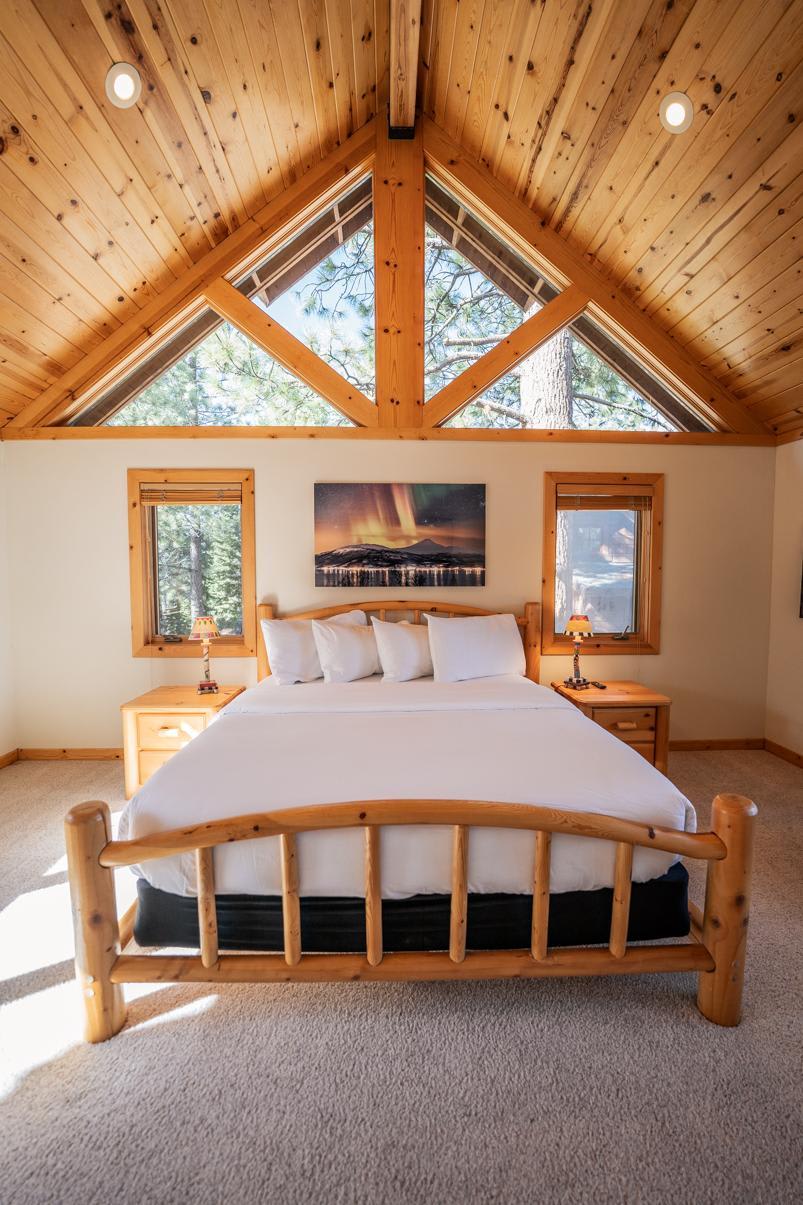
(101, 208)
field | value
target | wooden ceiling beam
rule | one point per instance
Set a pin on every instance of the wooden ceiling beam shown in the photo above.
(492, 203)
(290, 352)
(503, 357)
(399, 279)
(490, 435)
(405, 32)
(276, 221)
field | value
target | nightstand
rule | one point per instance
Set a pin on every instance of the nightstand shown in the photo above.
(637, 715)
(157, 724)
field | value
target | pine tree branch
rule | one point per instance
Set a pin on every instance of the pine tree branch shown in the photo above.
(447, 363)
(599, 401)
(498, 408)
(469, 342)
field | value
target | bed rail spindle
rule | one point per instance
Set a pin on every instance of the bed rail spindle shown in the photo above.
(382, 614)
(459, 912)
(416, 615)
(291, 906)
(620, 912)
(207, 909)
(373, 897)
(540, 925)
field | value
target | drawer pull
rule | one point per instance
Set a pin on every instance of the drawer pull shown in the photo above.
(172, 733)
(626, 725)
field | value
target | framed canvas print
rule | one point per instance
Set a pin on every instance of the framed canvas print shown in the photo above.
(383, 534)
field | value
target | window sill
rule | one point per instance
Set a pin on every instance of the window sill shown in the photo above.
(219, 648)
(634, 646)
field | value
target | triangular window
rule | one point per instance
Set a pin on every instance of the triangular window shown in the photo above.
(319, 285)
(476, 290)
(226, 380)
(587, 383)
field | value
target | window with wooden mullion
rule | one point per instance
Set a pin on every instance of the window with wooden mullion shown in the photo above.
(191, 538)
(602, 558)
(319, 286)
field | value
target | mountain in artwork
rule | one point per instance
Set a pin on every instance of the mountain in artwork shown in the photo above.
(424, 563)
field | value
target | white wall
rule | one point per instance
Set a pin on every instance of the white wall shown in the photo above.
(69, 548)
(785, 672)
(8, 732)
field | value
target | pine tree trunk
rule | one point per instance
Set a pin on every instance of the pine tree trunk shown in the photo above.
(546, 384)
(196, 566)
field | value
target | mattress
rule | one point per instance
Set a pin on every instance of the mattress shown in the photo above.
(500, 739)
(658, 909)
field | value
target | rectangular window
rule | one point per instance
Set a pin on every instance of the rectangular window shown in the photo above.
(602, 558)
(192, 553)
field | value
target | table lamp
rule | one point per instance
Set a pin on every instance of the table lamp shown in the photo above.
(204, 628)
(579, 628)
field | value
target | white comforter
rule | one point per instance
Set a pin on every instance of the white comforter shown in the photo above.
(502, 739)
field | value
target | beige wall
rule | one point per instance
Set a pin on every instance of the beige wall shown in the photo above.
(785, 672)
(71, 596)
(8, 732)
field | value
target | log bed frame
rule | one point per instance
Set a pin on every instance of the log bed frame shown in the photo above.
(718, 934)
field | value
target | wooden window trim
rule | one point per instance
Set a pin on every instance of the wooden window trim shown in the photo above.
(143, 643)
(648, 639)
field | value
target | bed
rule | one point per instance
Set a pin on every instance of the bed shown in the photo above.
(417, 829)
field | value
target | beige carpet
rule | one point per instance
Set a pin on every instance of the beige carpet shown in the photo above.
(574, 1091)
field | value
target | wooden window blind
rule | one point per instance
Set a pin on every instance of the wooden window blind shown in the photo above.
(189, 493)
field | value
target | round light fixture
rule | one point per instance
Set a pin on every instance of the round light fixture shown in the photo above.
(123, 85)
(676, 112)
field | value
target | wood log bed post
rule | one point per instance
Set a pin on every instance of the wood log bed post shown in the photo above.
(532, 640)
(87, 829)
(727, 910)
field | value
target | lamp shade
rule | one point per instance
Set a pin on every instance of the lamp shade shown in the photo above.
(578, 625)
(204, 628)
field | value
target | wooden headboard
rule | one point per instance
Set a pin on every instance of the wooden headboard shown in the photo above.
(529, 623)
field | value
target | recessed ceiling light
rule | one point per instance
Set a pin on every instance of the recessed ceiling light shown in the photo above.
(676, 112)
(123, 85)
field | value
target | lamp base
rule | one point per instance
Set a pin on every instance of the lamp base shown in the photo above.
(577, 683)
(207, 688)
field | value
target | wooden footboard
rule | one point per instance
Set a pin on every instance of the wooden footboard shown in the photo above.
(716, 951)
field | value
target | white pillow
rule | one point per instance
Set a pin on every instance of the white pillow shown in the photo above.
(291, 647)
(346, 653)
(403, 650)
(481, 646)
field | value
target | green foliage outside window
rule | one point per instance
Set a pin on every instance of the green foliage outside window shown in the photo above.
(198, 567)
(227, 380)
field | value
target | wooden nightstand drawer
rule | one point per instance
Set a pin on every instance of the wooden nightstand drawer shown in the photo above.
(162, 721)
(149, 761)
(635, 725)
(168, 730)
(634, 713)
(646, 750)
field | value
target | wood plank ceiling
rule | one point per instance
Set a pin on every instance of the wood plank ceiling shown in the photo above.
(101, 208)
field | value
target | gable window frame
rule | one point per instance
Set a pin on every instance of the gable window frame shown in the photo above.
(145, 639)
(645, 635)
(268, 273)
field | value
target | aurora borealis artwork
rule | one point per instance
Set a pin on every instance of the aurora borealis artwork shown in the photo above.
(383, 534)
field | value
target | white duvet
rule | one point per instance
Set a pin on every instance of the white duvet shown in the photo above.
(502, 739)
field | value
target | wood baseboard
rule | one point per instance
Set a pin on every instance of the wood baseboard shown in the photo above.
(787, 754)
(796, 759)
(756, 742)
(69, 754)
